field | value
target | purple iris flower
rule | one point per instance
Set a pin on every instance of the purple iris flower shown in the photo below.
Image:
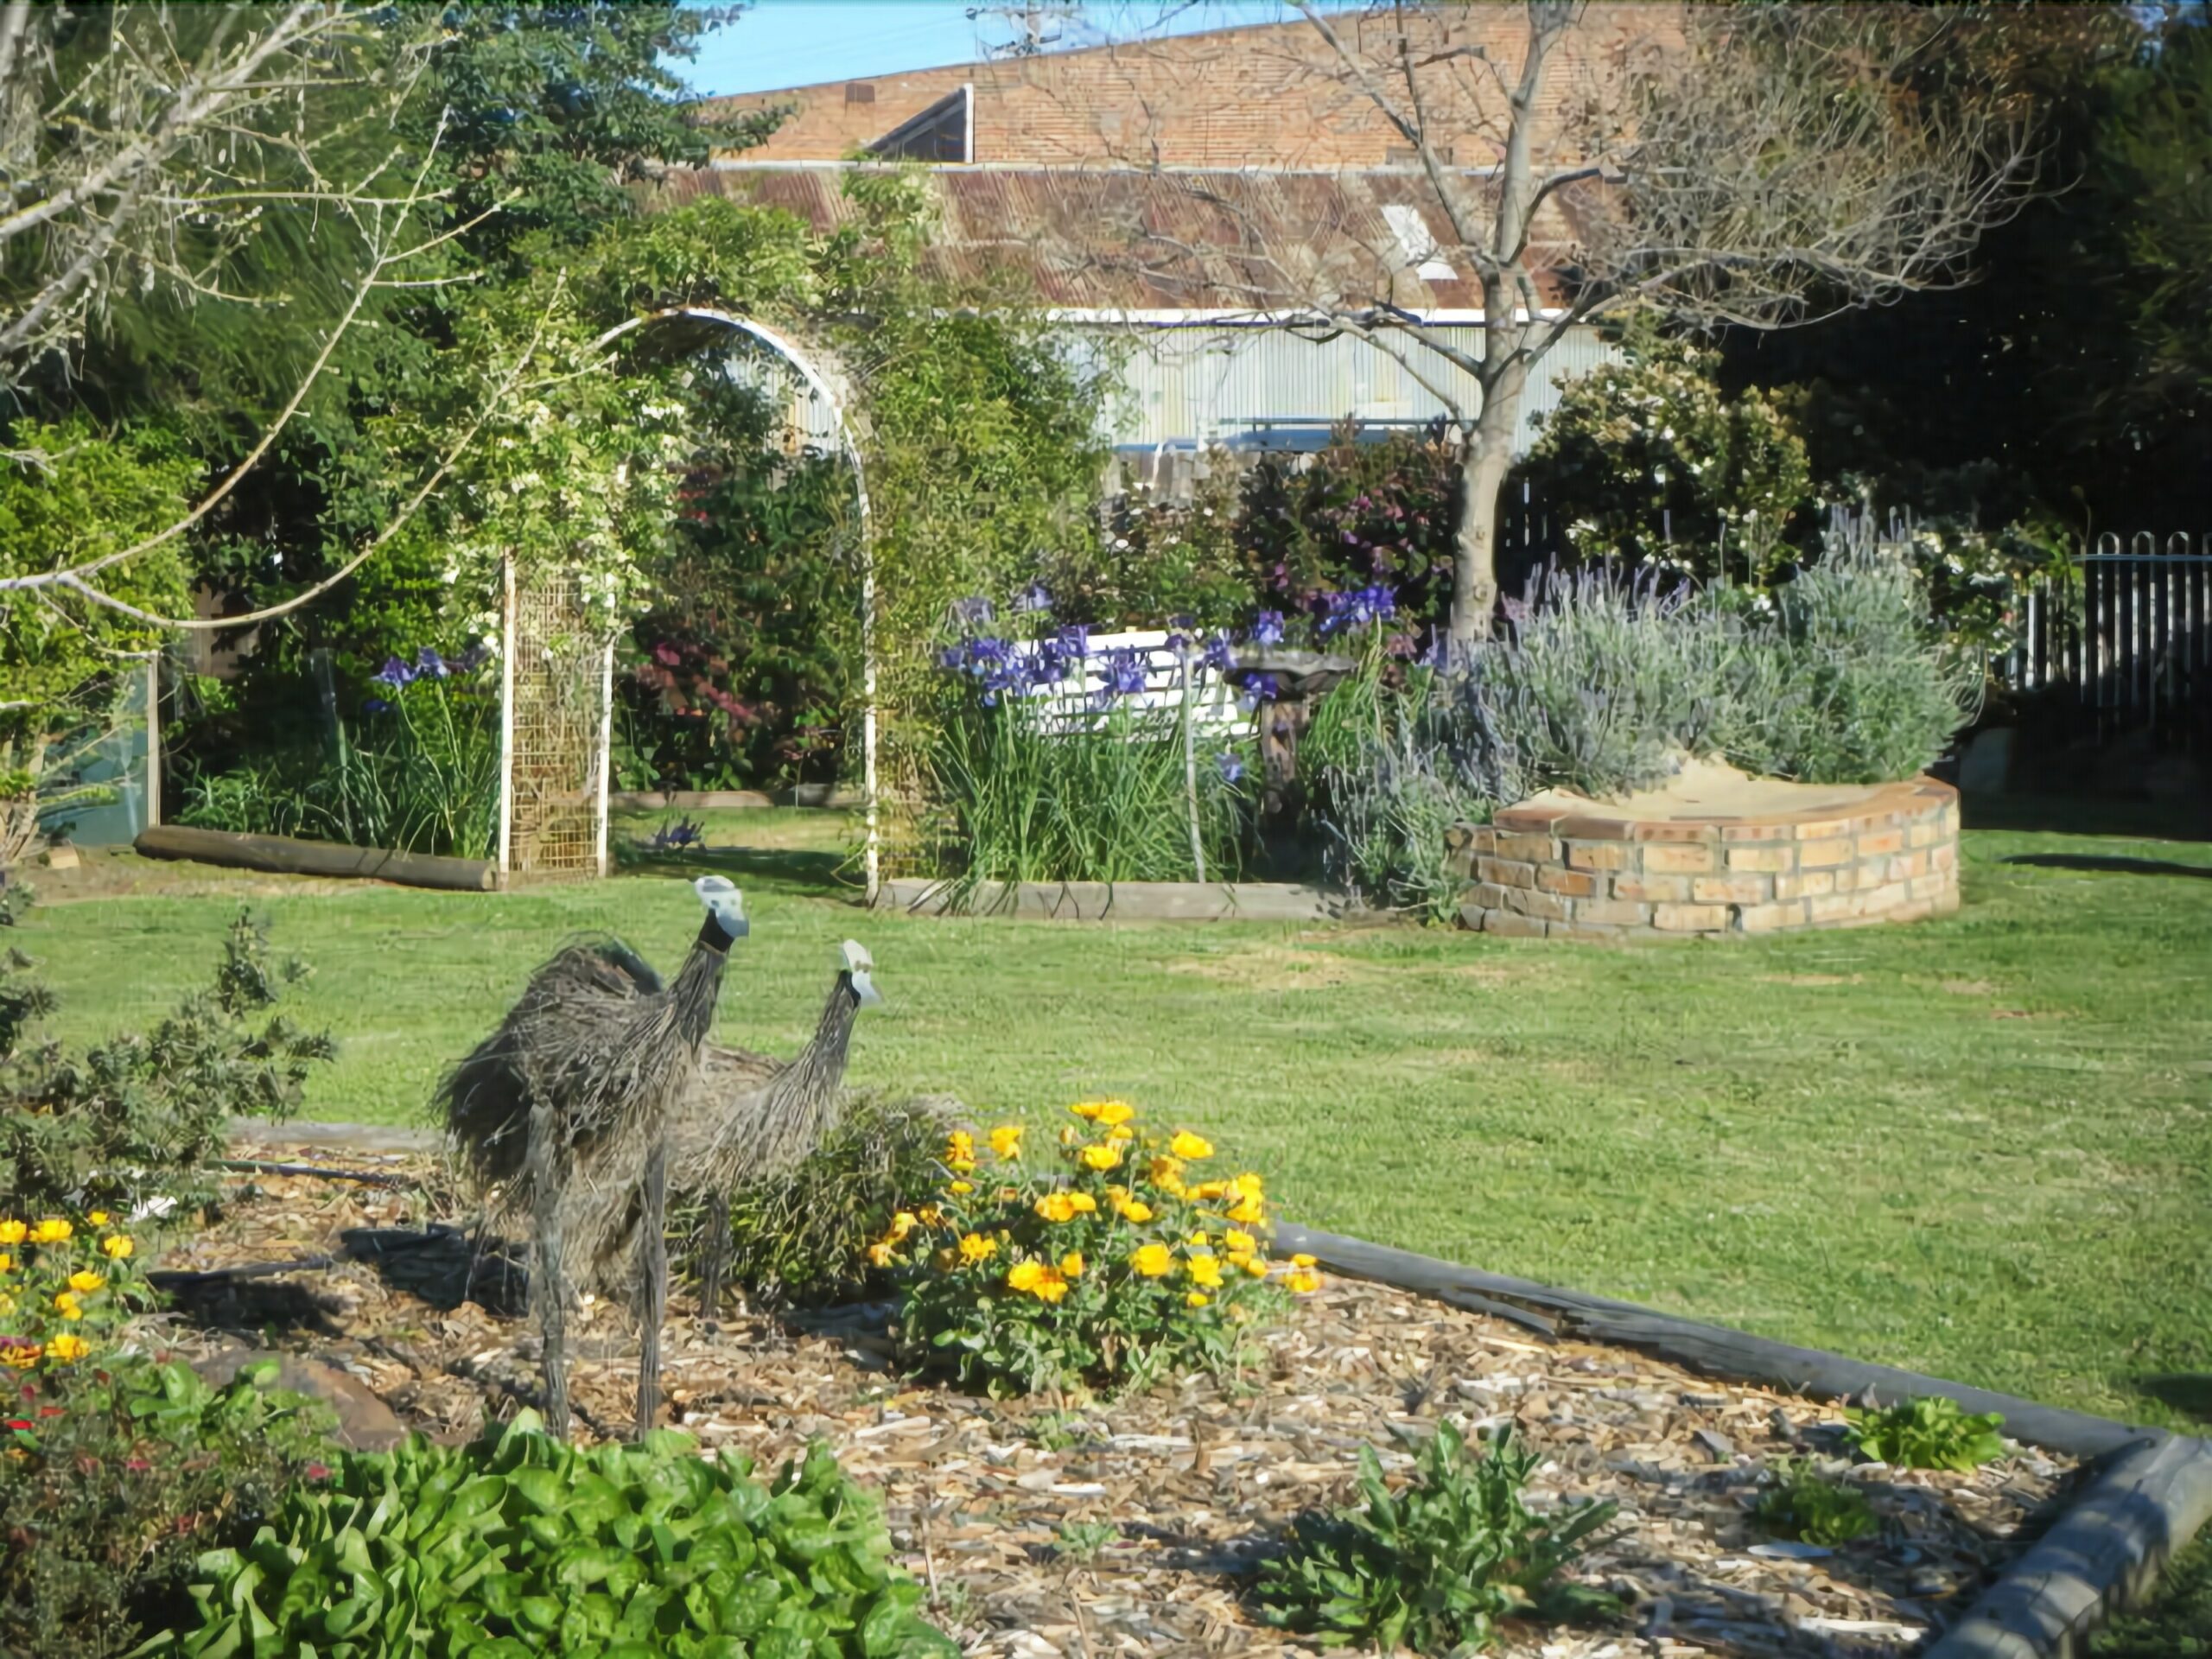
(1075, 640)
(376, 706)
(1231, 768)
(1219, 656)
(1267, 628)
(1122, 669)
(394, 673)
(427, 661)
(1261, 688)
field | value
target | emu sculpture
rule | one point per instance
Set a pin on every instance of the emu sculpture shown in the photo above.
(563, 1114)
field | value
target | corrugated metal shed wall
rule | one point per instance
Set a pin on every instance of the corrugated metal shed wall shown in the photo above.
(1209, 384)
(1196, 384)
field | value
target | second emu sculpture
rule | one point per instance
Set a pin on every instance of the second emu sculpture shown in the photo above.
(566, 1109)
(754, 1116)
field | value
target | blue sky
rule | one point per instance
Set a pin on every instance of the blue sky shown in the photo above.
(796, 42)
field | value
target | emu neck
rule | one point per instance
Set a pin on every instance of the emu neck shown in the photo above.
(698, 985)
(821, 1064)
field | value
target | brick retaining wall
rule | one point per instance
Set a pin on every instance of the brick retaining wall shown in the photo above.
(1582, 872)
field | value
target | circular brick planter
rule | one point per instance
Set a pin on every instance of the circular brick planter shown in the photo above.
(1580, 870)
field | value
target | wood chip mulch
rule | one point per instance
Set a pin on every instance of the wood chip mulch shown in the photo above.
(1130, 1527)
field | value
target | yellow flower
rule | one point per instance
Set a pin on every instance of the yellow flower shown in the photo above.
(97, 1218)
(1006, 1139)
(116, 1247)
(1102, 1157)
(1025, 1275)
(1189, 1147)
(1120, 1132)
(1168, 1175)
(1236, 1240)
(1302, 1260)
(66, 1348)
(1303, 1280)
(66, 1301)
(1113, 1112)
(1252, 1184)
(1133, 1210)
(1204, 1270)
(960, 1152)
(12, 1232)
(7, 1262)
(1071, 1264)
(1056, 1207)
(86, 1283)
(7, 1305)
(960, 1189)
(1084, 1203)
(1249, 1213)
(901, 1225)
(52, 1231)
(1253, 1265)
(930, 1216)
(976, 1247)
(1198, 1239)
(882, 1253)
(1153, 1261)
(1196, 1298)
(1050, 1288)
(23, 1359)
(1207, 1192)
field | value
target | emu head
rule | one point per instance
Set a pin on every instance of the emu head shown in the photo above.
(725, 905)
(858, 965)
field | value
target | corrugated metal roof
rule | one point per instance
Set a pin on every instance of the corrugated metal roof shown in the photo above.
(1192, 238)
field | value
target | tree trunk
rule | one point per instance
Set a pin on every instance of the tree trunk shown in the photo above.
(1483, 465)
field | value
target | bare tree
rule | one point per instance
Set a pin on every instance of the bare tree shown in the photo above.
(1760, 166)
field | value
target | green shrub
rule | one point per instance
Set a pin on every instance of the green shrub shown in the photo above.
(1801, 1506)
(1024, 1282)
(114, 1479)
(143, 1114)
(1932, 1433)
(799, 1237)
(1030, 795)
(520, 1544)
(1877, 692)
(418, 771)
(65, 1283)
(1433, 1567)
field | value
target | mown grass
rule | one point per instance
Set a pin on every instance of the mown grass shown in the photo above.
(1980, 1147)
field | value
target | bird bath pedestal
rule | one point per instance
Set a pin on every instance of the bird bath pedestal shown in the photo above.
(1302, 678)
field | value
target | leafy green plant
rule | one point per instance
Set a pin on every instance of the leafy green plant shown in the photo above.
(1800, 1504)
(1108, 1273)
(1929, 1432)
(64, 1283)
(799, 1237)
(115, 1477)
(1031, 795)
(521, 1544)
(143, 1114)
(1084, 1541)
(1435, 1566)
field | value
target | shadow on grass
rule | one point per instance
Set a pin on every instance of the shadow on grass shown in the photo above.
(2067, 815)
(814, 874)
(2187, 1392)
(2111, 866)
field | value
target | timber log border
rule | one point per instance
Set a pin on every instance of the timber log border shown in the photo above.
(282, 855)
(2143, 1492)
(1121, 901)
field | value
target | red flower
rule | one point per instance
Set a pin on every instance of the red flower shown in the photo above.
(318, 1471)
(50, 1411)
(19, 1422)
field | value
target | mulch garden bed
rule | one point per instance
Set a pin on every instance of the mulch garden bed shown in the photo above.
(1001, 1507)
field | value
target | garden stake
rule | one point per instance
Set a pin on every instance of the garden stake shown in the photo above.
(546, 1286)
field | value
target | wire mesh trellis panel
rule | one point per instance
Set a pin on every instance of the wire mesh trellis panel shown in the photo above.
(557, 729)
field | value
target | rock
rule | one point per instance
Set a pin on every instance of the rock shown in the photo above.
(1718, 1447)
(365, 1422)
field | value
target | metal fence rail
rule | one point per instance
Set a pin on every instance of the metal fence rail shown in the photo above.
(2131, 634)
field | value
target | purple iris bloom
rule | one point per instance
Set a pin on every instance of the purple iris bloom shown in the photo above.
(1231, 768)
(1267, 628)
(950, 658)
(1122, 669)
(394, 673)
(1261, 688)
(376, 706)
(1219, 656)
(427, 661)
(1075, 640)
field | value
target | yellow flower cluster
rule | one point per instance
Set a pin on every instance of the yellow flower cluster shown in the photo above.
(44, 1277)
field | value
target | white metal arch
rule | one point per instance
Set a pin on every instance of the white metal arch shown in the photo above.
(823, 377)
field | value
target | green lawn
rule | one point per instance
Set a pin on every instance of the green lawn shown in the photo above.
(1980, 1147)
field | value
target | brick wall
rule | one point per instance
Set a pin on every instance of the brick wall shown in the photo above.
(1584, 873)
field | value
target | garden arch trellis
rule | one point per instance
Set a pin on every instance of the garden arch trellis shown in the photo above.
(823, 376)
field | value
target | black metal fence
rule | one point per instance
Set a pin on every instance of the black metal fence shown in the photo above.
(2129, 636)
